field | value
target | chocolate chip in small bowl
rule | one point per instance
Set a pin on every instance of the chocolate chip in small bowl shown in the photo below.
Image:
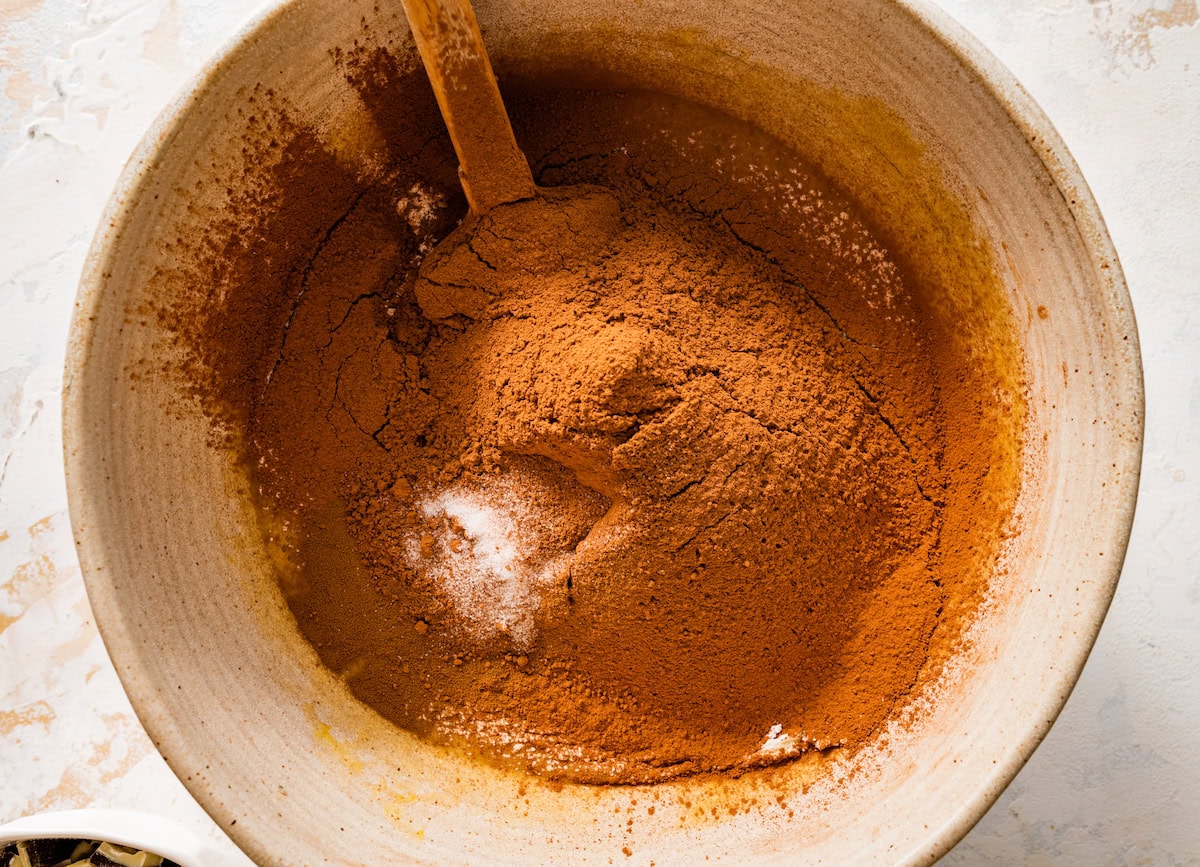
(68, 852)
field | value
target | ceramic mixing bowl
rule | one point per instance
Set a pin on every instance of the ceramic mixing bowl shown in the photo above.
(898, 106)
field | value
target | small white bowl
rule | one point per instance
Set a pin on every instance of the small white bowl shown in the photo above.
(131, 828)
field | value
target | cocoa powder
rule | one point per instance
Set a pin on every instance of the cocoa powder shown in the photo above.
(676, 472)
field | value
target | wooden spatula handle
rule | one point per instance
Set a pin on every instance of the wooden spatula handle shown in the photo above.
(492, 168)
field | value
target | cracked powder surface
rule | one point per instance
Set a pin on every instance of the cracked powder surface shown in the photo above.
(693, 397)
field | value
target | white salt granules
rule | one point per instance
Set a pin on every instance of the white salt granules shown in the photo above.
(778, 743)
(420, 207)
(479, 553)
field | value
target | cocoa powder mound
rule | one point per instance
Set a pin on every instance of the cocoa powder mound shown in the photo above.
(669, 475)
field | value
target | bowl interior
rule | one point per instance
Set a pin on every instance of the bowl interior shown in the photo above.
(897, 109)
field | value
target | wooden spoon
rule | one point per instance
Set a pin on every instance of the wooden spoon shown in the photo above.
(517, 231)
(492, 168)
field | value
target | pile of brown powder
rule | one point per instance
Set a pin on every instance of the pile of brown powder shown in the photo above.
(655, 484)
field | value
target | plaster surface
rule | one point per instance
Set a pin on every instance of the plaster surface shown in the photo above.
(1113, 783)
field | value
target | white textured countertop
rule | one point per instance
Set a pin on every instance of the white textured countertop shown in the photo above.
(1116, 780)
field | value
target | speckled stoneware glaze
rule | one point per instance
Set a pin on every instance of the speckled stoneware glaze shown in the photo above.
(893, 101)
